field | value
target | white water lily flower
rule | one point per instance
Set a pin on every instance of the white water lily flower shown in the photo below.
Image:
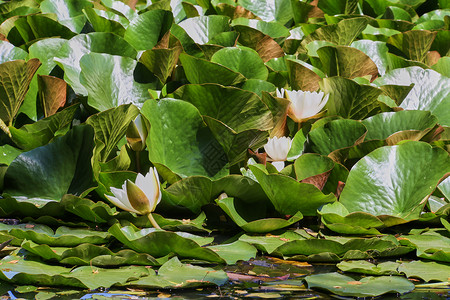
(277, 149)
(140, 197)
(305, 105)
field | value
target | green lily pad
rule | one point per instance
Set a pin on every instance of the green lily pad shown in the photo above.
(178, 140)
(109, 128)
(427, 271)
(337, 218)
(335, 135)
(273, 29)
(18, 270)
(96, 212)
(199, 71)
(109, 81)
(174, 274)
(106, 21)
(347, 62)
(89, 254)
(68, 12)
(342, 33)
(51, 171)
(375, 186)
(238, 109)
(254, 221)
(15, 79)
(429, 246)
(244, 60)
(415, 44)
(430, 91)
(267, 11)
(353, 101)
(9, 52)
(289, 196)
(152, 25)
(161, 243)
(63, 236)
(235, 251)
(367, 287)
(382, 126)
(365, 267)
(21, 207)
(192, 192)
(203, 28)
(72, 51)
(38, 134)
(303, 76)
(268, 243)
(322, 250)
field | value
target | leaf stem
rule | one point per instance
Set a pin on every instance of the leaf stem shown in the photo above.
(138, 163)
(153, 221)
(5, 128)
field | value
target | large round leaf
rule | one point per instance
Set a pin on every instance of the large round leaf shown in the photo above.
(199, 71)
(431, 90)
(109, 81)
(269, 10)
(368, 287)
(394, 180)
(178, 140)
(383, 125)
(239, 109)
(202, 29)
(99, 42)
(289, 196)
(53, 170)
(350, 99)
(334, 135)
(243, 60)
(148, 28)
(9, 52)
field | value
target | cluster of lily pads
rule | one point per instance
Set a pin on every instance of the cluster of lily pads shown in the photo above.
(316, 131)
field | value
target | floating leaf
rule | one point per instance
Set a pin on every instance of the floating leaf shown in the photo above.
(425, 270)
(89, 254)
(161, 243)
(63, 236)
(367, 287)
(32, 272)
(174, 274)
(235, 251)
(365, 267)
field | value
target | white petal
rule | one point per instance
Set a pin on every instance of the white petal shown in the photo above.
(280, 93)
(150, 186)
(278, 148)
(121, 200)
(279, 165)
(140, 127)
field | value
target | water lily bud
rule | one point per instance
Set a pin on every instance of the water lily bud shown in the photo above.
(305, 105)
(137, 134)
